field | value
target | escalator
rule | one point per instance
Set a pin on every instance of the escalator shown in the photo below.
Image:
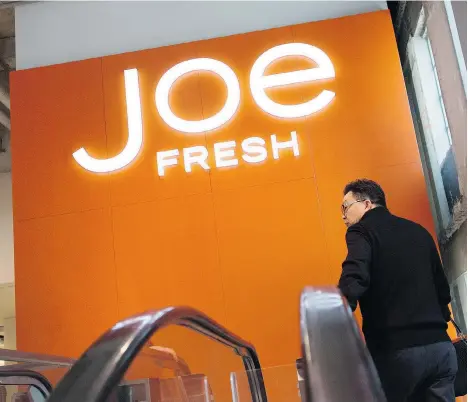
(31, 382)
(23, 375)
(335, 364)
(338, 366)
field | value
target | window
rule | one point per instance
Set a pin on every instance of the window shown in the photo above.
(443, 144)
(426, 93)
(435, 139)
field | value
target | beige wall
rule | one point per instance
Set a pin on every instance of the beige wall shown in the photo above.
(6, 230)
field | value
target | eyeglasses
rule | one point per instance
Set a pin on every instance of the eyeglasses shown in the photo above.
(345, 208)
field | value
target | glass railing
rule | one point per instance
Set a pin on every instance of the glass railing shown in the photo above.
(281, 382)
(201, 355)
(100, 373)
(189, 388)
(127, 364)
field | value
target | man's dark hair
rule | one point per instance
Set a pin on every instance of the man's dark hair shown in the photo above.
(364, 189)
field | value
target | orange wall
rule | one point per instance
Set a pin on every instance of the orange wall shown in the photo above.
(238, 243)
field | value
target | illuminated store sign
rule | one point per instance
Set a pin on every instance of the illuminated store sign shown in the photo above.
(253, 148)
(254, 151)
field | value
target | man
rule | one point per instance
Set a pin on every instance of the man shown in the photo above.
(393, 270)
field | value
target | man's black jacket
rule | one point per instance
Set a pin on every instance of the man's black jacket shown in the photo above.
(394, 271)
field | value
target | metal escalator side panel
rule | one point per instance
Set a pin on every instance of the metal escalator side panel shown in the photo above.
(338, 367)
(101, 368)
(34, 358)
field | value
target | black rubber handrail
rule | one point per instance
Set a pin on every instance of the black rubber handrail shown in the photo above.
(338, 366)
(101, 368)
(26, 377)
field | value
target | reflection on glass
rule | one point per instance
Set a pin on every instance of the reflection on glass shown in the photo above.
(21, 393)
(282, 384)
(180, 365)
(191, 388)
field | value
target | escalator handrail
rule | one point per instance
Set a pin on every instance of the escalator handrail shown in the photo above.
(337, 364)
(101, 368)
(26, 377)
